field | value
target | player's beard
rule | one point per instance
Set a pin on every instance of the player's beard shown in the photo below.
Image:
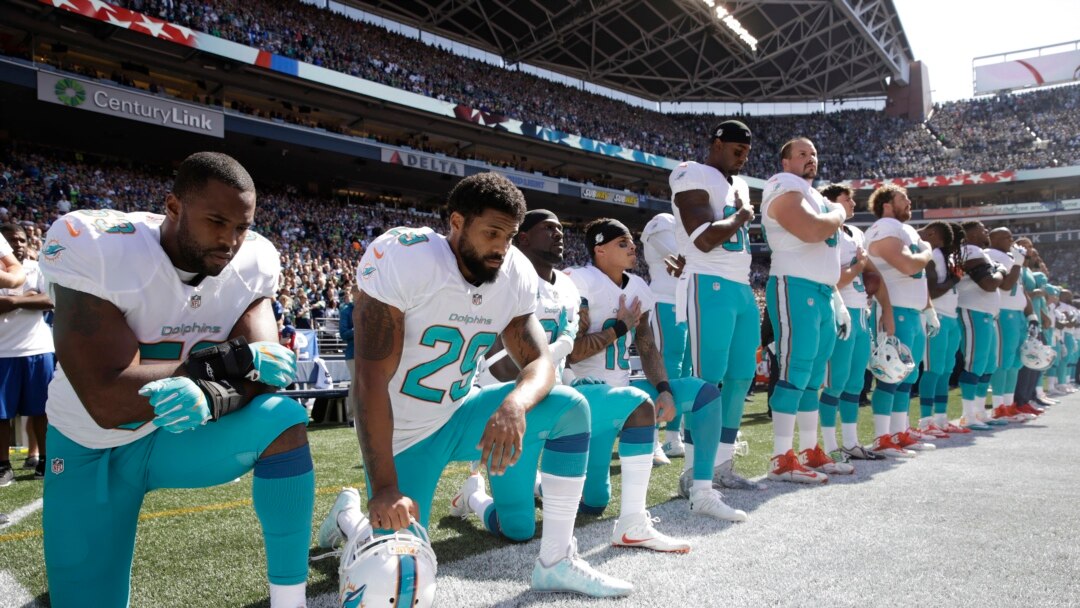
(904, 215)
(193, 257)
(809, 172)
(474, 263)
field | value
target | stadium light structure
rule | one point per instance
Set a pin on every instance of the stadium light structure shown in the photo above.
(732, 24)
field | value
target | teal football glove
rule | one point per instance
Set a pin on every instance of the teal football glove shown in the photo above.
(586, 381)
(179, 405)
(273, 364)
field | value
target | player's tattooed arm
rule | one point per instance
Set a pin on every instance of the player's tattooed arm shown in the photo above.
(588, 344)
(695, 211)
(379, 338)
(501, 443)
(652, 361)
(100, 356)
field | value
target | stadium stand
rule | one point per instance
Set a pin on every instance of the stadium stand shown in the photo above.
(1039, 128)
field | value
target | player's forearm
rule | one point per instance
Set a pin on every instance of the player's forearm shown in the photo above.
(1011, 279)
(652, 362)
(590, 344)
(34, 302)
(718, 233)
(114, 400)
(12, 279)
(375, 430)
(533, 383)
(847, 275)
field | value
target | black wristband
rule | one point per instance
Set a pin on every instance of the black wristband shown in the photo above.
(231, 360)
(663, 387)
(620, 329)
(221, 397)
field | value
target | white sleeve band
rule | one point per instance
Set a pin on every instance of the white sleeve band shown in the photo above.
(697, 231)
(561, 348)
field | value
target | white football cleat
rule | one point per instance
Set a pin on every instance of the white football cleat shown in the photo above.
(638, 531)
(330, 533)
(572, 574)
(711, 503)
(659, 458)
(459, 504)
(674, 445)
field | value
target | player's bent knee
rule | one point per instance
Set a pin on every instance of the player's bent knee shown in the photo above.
(705, 395)
(574, 417)
(643, 415)
(517, 527)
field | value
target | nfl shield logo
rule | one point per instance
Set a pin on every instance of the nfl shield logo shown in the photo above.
(477, 299)
(196, 301)
(57, 466)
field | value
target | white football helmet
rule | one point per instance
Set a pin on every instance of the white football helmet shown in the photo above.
(1036, 355)
(891, 360)
(395, 570)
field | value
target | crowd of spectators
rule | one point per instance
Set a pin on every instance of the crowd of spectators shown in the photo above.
(1036, 129)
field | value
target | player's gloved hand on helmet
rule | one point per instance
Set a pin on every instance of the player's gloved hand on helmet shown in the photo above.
(841, 315)
(931, 322)
(586, 381)
(273, 364)
(179, 404)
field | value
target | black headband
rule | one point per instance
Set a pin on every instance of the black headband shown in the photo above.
(534, 217)
(604, 231)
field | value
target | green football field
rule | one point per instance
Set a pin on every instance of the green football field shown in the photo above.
(204, 547)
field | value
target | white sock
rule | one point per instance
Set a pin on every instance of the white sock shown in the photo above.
(998, 400)
(899, 422)
(1008, 398)
(700, 485)
(724, 452)
(881, 425)
(1051, 384)
(635, 483)
(353, 523)
(808, 422)
(688, 458)
(561, 498)
(942, 420)
(828, 438)
(288, 596)
(479, 502)
(783, 432)
(850, 434)
(969, 408)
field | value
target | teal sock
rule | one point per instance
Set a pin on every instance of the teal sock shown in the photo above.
(827, 408)
(283, 492)
(927, 393)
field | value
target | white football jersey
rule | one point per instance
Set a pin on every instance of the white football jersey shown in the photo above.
(1010, 299)
(854, 293)
(601, 296)
(449, 322)
(118, 257)
(908, 291)
(24, 333)
(659, 241)
(5, 247)
(792, 256)
(945, 304)
(730, 260)
(973, 297)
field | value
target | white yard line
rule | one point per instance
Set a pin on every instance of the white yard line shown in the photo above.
(21, 513)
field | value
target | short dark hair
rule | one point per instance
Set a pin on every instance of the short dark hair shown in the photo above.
(833, 191)
(785, 150)
(201, 167)
(13, 228)
(971, 225)
(882, 196)
(478, 193)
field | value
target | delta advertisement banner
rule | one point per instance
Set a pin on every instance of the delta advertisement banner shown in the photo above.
(1028, 72)
(123, 103)
(998, 210)
(423, 161)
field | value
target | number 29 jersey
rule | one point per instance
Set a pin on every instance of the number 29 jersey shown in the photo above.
(601, 296)
(118, 257)
(449, 323)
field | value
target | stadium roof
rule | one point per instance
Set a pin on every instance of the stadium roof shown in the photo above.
(679, 50)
